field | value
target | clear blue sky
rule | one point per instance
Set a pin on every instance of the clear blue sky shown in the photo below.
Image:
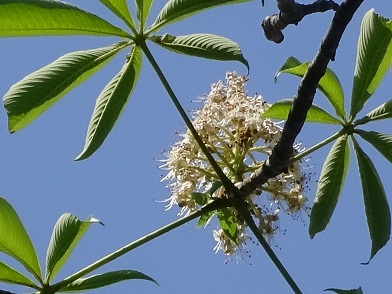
(120, 184)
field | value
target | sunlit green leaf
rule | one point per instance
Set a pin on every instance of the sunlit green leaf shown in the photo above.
(14, 240)
(174, 10)
(382, 142)
(103, 280)
(44, 18)
(143, 10)
(280, 110)
(202, 45)
(382, 112)
(11, 276)
(329, 186)
(66, 235)
(341, 291)
(374, 56)
(34, 94)
(111, 102)
(329, 84)
(376, 203)
(228, 223)
(120, 8)
(204, 219)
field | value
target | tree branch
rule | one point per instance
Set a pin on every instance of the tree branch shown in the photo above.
(292, 13)
(283, 151)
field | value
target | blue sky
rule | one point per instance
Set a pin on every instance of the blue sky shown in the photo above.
(120, 184)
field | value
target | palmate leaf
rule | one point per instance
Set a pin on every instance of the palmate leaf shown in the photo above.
(143, 10)
(120, 8)
(280, 110)
(103, 280)
(67, 233)
(34, 94)
(11, 276)
(329, 186)
(175, 10)
(329, 84)
(382, 142)
(111, 102)
(374, 56)
(15, 241)
(376, 204)
(202, 45)
(382, 112)
(44, 18)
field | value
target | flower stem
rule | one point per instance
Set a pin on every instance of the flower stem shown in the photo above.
(318, 145)
(216, 204)
(225, 181)
(242, 209)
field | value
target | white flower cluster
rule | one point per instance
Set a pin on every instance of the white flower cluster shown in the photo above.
(230, 125)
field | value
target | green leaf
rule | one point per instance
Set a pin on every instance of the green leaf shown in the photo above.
(202, 45)
(103, 280)
(120, 8)
(376, 203)
(111, 102)
(43, 18)
(281, 109)
(143, 10)
(341, 291)
(204, 219)
(215, 186)
(66, 235)
(228, 223)
(200, 198)
(382, 112)
(34, 94)
(15, 241)
(382, 142)
(329, 186)
(374, 54)
(11, 276)
(175, 10)
(329, 84)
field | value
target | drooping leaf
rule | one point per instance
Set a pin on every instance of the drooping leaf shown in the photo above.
(111, 102)
(228, 223)
(11, 276)
(202, 45)
(382, 142)
(280, 110)
(382, 112)
(15, 241)
(34, 94)
(120, 8)
(175, 10)
(329, 84)
(45, 18)
(341, 291)
(329, 186)
(374, 54)
(143, 10)
(103, 280)
(66, 235)
(376, 203)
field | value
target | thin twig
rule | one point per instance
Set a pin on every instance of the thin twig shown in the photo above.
(292, 13)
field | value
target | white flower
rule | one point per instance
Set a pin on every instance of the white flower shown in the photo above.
(230, 125)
